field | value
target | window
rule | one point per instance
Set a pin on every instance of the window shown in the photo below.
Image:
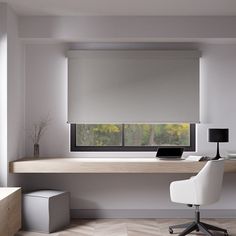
(131, 137)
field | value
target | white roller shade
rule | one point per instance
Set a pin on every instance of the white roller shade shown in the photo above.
(133, 86)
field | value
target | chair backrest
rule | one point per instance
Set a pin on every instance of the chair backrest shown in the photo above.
(208, 182)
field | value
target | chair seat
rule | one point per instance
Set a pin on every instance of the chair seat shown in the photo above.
(202, 189)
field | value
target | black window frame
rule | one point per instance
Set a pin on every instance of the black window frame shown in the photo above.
(74, 148)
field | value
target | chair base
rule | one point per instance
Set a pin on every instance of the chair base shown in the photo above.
(197, 225)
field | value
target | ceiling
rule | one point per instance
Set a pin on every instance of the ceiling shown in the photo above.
(125, 7)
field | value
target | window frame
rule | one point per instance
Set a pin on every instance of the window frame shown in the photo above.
(75, 148)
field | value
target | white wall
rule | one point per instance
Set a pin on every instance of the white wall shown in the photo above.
(46, 95)
(3, 94)
(15, 95)
(12, 93)
(46, 89)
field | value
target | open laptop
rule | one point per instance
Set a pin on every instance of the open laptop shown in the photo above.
(169, 153)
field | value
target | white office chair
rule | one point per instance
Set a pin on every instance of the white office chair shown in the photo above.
(202, 189)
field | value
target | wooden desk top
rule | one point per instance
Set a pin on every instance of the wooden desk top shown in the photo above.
(109, 165)
(6, 191)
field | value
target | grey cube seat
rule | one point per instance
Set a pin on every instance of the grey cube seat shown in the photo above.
(46, 211)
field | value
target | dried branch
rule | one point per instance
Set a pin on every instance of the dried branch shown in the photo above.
(39, 129)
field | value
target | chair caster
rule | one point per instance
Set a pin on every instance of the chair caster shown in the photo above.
(171, 231)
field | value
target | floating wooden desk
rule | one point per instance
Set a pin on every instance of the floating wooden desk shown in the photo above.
(109, 165)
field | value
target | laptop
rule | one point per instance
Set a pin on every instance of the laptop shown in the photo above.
(169, 153)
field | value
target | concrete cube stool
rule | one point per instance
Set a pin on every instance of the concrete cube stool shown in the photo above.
(46, 211)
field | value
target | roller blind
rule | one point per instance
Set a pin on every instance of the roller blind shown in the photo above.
(133, 86)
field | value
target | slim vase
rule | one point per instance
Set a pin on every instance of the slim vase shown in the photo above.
(36, 150)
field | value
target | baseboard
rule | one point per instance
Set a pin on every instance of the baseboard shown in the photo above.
(162, 213)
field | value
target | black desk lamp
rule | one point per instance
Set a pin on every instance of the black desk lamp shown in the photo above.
(218, 136)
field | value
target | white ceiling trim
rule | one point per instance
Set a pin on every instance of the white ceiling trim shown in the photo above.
(128, 29)
(124, 7)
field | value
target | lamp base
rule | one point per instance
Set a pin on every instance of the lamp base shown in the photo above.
(217, 157)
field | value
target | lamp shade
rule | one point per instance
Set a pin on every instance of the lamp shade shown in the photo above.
(218, 135)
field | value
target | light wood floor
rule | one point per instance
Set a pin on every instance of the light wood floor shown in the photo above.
(130, 227)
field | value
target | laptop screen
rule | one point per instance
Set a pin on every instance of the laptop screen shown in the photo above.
(169, 152)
